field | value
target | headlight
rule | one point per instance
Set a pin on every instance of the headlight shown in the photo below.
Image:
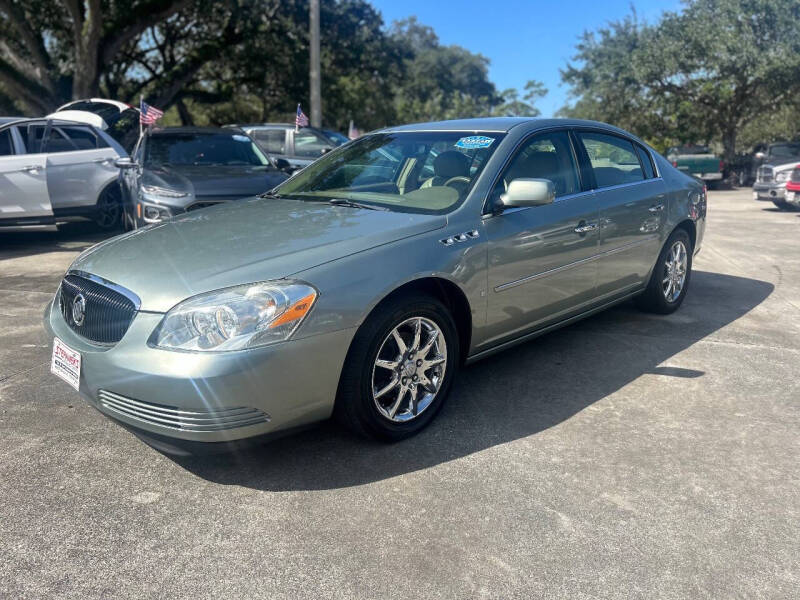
(155, 190)
(245, 316)
(782, 176)
(152, 213)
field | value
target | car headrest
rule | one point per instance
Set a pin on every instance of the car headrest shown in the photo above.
(451, 164)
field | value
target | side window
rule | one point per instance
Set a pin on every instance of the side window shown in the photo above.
(83, 138)
(58, 142)
(545, 156)
(272, 140)
(613, 159)
(308, 144)
(6, 145)
(647, 162)
(32, 136)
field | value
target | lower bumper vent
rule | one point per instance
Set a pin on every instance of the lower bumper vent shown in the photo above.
(183, 420)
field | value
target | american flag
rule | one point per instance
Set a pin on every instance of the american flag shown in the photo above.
(301, 120)
(148, 114)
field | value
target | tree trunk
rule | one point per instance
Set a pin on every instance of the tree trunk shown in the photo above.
(183, 112)
(729, 143)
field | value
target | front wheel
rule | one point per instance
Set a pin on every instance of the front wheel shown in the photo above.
(109, 209)
(781, 204)
(399, 370)
(669, 281)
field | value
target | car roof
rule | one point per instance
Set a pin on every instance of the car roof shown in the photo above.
(121, 106)
(500, 124)
(265, 125)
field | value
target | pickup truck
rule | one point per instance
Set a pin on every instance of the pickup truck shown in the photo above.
(697, 161)
(772, 176)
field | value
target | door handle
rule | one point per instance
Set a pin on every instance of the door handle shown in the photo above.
(31, 169)
(656, 208)
(102, 161)
(585, 228)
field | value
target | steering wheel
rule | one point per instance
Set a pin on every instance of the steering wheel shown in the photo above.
(457, 179)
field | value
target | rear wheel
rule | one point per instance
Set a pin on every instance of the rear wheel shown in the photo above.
(399, 370)
(108, 213)
(669, 281)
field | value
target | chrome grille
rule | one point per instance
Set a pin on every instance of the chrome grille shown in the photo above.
(764, 175)
(184, 420)
(108, 312)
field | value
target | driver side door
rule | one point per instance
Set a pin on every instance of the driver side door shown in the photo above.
(541, 259)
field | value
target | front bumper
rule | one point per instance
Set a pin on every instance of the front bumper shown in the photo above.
(769, 191)
(293, 383)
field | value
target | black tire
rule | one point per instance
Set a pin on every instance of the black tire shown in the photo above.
(355, 406)
(108, 212)
(653, 299)
(781, 204)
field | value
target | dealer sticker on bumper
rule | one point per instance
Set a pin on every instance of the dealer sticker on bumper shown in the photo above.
(66, 363)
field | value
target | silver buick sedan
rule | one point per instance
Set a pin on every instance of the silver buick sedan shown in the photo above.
(360, 286)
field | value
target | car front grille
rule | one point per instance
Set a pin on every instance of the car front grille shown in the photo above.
(174, 418)
(107, 313)
(764, 175)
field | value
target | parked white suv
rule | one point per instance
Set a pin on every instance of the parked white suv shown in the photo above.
(55, 170)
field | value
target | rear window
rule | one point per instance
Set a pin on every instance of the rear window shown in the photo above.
(614, 160)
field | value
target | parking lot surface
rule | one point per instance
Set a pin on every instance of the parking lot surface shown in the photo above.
(628, 455)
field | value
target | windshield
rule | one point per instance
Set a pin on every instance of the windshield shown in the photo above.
(788, 150)
(428, 172)
(193, 148)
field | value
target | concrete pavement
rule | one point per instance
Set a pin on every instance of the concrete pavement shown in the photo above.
(629, 455)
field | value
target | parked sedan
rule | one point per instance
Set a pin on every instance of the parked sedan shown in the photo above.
(53, 170)
(181, 169)
(361, 285)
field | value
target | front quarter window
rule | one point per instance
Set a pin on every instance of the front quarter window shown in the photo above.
(428, 172)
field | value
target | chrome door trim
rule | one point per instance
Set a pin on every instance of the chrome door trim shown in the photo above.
(583, 261)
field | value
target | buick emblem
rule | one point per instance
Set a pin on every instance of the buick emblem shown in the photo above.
(79, 309)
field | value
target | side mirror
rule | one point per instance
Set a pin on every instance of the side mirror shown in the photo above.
(283, 164)
(125, 163)
(528, 192)
(325, 151)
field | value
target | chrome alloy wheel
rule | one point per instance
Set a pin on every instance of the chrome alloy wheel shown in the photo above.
(409, 369)
(675, 271)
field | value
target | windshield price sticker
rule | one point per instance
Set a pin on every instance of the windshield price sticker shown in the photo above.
(474, 141)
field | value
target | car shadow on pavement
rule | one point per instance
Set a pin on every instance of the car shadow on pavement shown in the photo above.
(67, 238)
(512, 395)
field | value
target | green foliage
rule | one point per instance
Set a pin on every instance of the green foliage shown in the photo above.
(223, 61)
(701, 75)
(513, 106)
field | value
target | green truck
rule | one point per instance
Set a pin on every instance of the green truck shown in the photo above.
(697, 161)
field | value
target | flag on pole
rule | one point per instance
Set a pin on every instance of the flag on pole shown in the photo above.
(301, 120)
(148, 114)
(353, 133)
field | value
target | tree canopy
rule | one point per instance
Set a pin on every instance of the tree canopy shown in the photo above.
(222, 61)
(708, 73)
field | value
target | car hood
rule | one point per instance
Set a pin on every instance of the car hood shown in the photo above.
(784, 164)
(214, 181)
(241, 242)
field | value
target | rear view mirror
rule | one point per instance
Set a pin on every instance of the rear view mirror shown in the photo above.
(125, 163)
(528, 192)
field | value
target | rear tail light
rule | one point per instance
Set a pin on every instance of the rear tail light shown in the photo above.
(675, 163)
(721, 166)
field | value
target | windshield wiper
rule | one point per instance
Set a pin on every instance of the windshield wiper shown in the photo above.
(354, 204)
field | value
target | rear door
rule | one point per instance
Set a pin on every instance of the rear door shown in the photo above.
(632, 205)
(541, 259)
(23, 178)
(79, 165)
